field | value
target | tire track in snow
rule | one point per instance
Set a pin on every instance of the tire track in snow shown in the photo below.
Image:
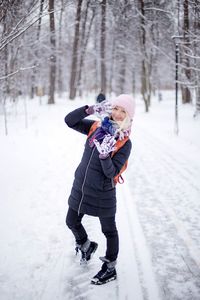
(166, 159)
(184, 270)
(173, 161)
(51, 274)
(156, 166)
(140, 267)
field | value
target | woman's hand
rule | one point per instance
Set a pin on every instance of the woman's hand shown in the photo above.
(107, 146)
(101, 109)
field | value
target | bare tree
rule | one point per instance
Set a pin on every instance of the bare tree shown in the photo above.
(34, 87)
(145, 70)
(73, 77)
(52, 71)
(196, 42)
(84, 42)
(60, 81)
(129, 48)
(103, 49)
(186, 93)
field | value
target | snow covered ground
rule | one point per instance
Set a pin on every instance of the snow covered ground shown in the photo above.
(158, 208)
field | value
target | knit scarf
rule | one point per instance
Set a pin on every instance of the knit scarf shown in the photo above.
(111, 127)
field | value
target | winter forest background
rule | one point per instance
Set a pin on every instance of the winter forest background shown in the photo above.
(84, 46)
(56, 56)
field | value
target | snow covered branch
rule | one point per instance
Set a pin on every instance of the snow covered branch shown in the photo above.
(17, 71)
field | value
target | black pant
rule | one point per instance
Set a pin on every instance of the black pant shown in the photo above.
(108, 227)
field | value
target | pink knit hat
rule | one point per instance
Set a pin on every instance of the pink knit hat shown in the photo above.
(127, 102)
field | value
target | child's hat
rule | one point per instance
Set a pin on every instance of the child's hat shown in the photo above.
(127, 102)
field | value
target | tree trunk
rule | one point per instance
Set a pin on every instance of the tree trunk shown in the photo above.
(73, 77)
(145, 70)
(60, 81)
(84, 42)
(186, 94)
(111, 68)
(40, 19)
(122, 73)
(103, 50)
(133, 82)
(52, 73)
(197, 54)
(144, 86)
(96, 71)
(5, 51)
(34, 87)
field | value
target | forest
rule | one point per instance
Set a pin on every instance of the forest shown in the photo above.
(57, 56)
(52, 47)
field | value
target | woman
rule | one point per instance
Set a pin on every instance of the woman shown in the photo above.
(93, 191)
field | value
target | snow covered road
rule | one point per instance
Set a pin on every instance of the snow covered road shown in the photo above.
(166, 176)
(158, 212)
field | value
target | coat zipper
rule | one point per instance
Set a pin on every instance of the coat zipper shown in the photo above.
(82, 188)
(112, 182)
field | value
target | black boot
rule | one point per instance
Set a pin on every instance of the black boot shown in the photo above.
(87, 250)
(106, 274)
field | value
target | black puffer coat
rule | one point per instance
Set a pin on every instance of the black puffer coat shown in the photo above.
(93, 191)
